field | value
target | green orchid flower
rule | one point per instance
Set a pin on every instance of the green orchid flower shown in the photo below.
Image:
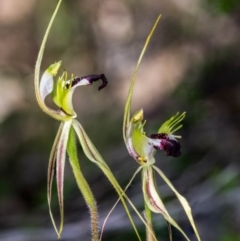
(61, 91)
(143, 148)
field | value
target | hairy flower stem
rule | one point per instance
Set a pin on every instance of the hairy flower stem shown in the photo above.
(83, 185)
(150, 235)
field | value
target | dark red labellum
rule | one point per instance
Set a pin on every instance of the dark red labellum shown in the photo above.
(169, 144)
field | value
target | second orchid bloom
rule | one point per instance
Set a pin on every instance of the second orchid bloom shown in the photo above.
(143, 148)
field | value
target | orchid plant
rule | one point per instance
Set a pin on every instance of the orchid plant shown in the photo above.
(61, 91)
(143, 148)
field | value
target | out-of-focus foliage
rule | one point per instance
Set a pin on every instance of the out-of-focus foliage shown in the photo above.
(224, 6)
(191, 65)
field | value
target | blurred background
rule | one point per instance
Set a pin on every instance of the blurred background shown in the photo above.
(192, 64)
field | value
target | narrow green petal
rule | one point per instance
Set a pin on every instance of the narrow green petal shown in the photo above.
(182, 200)
(60, 165)
(127, 109)
(111, 210)
(153, 200)
(51, 164)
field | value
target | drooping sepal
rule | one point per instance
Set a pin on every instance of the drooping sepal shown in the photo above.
(51, 166)
(182, 200)
(60, 166)
(152, 197)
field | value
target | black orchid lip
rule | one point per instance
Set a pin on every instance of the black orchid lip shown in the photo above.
(168, 143)
(91, 79)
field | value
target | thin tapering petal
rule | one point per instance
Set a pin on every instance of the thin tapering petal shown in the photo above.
(127, 109)
(182, 200)
(51, 164)
(153, 200)
(111, 210)
(60, 164)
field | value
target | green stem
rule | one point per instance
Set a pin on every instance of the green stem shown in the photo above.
(82, 184)
(150, 234)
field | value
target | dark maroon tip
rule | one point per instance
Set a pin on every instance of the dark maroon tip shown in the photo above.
(169, 144)
(104, 82)
(91, 79)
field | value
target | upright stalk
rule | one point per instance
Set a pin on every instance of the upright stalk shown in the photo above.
(83, 185)
(150, 234)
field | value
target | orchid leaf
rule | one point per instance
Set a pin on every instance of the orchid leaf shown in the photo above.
(127, 109)
(182, 200)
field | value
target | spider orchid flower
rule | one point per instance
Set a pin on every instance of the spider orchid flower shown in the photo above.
(143, 148)
(61, 91)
